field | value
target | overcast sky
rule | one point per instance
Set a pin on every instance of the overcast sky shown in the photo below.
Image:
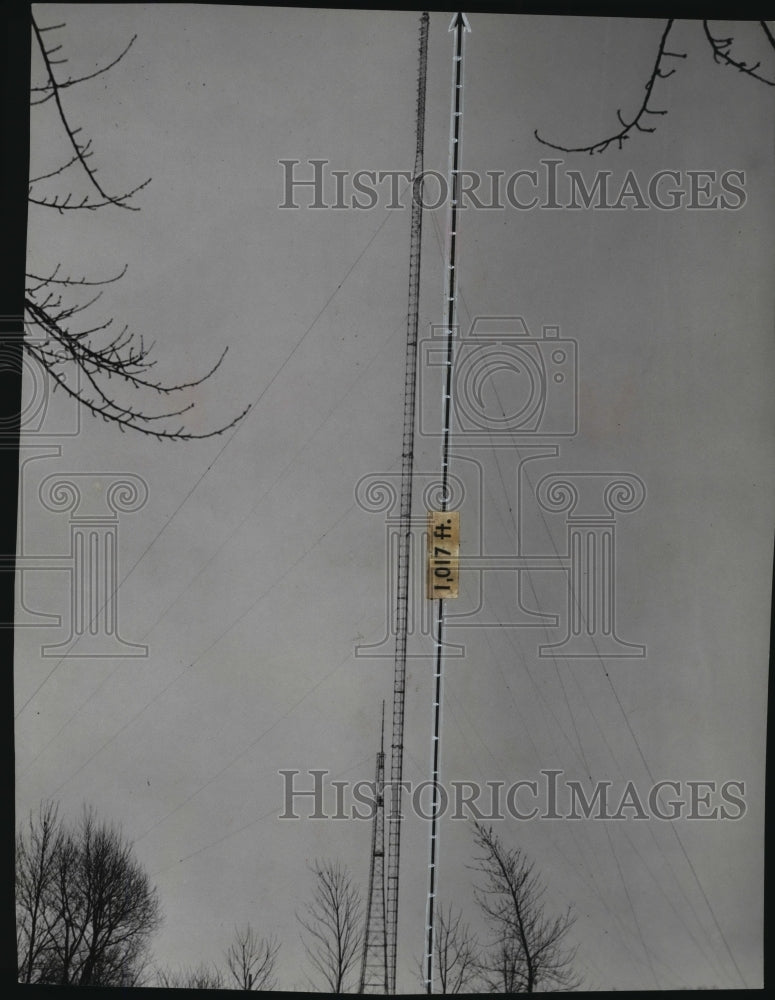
(254, 574)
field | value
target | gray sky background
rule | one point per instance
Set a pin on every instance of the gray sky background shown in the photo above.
(251, 583)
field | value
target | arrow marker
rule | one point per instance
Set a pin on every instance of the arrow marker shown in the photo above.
(460, 26)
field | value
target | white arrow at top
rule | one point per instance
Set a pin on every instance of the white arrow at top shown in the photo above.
(457, 19)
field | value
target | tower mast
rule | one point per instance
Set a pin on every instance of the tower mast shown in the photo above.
(374, 964)
(404, 538)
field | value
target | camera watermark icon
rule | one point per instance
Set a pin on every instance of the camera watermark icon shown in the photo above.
(514, 399)
(505, 380)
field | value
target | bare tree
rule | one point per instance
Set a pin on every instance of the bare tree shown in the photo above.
(456, 953)
(333, 929)
(37, 853)
(250, 960)
(91, 362)
(722, 50)
(202, 977)
(529, 950)
(86, 910)
(501, 969)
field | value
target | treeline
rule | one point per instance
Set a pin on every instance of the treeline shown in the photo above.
(87, 914)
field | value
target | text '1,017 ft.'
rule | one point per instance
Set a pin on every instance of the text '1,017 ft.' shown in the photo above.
(442, 577)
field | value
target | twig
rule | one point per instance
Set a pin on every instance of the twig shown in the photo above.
(81, 151)
(624, 133)
(721, 47)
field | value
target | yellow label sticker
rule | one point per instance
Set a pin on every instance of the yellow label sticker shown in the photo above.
(443, 554)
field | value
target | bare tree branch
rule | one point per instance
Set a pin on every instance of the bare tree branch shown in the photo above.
(67, 205)
(53, 280)
(721, 53)
(50, 87)
(82, 361)
(80, 150)
(123, 357)
(624, 133)
(721, 48)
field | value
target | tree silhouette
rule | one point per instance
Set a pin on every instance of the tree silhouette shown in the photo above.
(202, 977)
(456, 953)
(721, 49)
(37, 857)
(85, 908)
(93, 363)
(332, 928)
(250, 960)
(529, 951)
